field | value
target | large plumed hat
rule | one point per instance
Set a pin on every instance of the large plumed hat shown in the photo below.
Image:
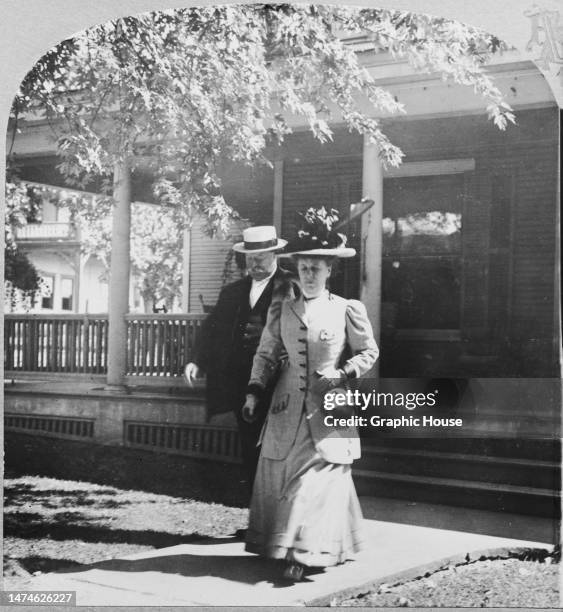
(316, 236)
(259, 239)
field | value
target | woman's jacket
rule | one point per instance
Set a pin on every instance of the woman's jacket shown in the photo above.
(311, 344)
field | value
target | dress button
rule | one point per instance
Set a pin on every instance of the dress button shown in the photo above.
(301, 388)
(303, 328)
(302, 352)
(301, 339)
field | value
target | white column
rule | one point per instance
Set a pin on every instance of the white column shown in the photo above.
(77, 293)
(119, 278)
(372, 236)
(186, 253)
(278, 195)
(372, 242)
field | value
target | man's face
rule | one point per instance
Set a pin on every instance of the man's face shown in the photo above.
(260, 265)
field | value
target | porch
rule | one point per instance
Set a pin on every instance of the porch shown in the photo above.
(75, 346)
(506, 457)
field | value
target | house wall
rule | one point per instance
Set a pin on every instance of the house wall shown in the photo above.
(508, 292)
(94, 287)
(211, 265)
(51, 264)
(509, 211)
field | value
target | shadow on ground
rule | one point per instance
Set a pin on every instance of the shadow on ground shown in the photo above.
(125, 468)
(243, 569)
(66, 526)
(30, 565)
(22, 494)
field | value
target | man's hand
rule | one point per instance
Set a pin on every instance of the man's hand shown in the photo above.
(249, 409)
(191, 372)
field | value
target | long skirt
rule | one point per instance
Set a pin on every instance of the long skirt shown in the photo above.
(303, 508)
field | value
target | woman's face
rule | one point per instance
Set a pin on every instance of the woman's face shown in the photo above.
(313, 274)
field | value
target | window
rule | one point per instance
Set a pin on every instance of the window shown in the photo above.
(67, 289)
(421, 279)
(63, 214)
(47, 292)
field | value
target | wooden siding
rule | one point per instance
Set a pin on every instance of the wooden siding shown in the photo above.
(208, 257)
(508, 232)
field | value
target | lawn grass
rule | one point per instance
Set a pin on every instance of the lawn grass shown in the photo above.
(50, 524)
(502, 582)
(69, 503)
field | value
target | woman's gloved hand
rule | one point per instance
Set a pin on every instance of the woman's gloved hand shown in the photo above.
(249, 409)
(327, 379)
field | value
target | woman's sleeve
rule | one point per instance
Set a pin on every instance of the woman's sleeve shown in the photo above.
(359, 335)
(270, 349)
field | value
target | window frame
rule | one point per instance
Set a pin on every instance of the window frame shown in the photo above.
(464, 166)
(73, 294)
(52, 276)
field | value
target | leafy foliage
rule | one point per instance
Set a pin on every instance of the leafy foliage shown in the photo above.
(180, 91)
(21, 277)
(156, 254)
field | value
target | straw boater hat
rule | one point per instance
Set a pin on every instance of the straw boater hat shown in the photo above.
(259, 239)
(317, 236)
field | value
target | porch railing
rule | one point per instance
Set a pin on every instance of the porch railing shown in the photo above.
(42, 231)
(157, 345)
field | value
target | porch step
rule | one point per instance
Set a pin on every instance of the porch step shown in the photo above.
(521, 476)
(507, 447)
(516, 471)
(458, 492)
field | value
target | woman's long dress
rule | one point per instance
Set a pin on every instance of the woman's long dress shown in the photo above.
(304, 507)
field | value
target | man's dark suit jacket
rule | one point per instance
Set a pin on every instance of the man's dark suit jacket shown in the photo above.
(230, 337)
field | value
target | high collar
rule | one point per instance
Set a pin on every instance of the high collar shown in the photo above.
(298, 305)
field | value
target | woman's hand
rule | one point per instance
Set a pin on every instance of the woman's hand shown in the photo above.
(249, 409)
(327, 379)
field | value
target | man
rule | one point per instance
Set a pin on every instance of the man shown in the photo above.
(231, 334)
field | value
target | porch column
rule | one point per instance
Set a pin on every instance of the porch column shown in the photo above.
(119, 278)
(77, 294)
(372, 236)
(278, 195)
(186, 251)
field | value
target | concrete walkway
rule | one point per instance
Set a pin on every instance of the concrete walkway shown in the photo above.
(404, 539)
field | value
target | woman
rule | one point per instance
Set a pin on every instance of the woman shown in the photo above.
(304, 506)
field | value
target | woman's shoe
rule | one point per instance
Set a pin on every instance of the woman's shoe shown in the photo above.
(294, 572)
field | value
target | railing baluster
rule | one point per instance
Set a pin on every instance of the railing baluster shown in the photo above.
(8, 345)
(39, 343)
(85, 343)
(166, 340)
(71, 346)
(129, 366)
(79, 341)
(176, 366)
(98, 330)
(63, 352)
(158, 345)
(138, 346)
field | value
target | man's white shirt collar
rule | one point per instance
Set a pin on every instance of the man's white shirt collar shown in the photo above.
(257, 288)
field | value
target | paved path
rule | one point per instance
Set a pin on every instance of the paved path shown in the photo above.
(217, 572)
